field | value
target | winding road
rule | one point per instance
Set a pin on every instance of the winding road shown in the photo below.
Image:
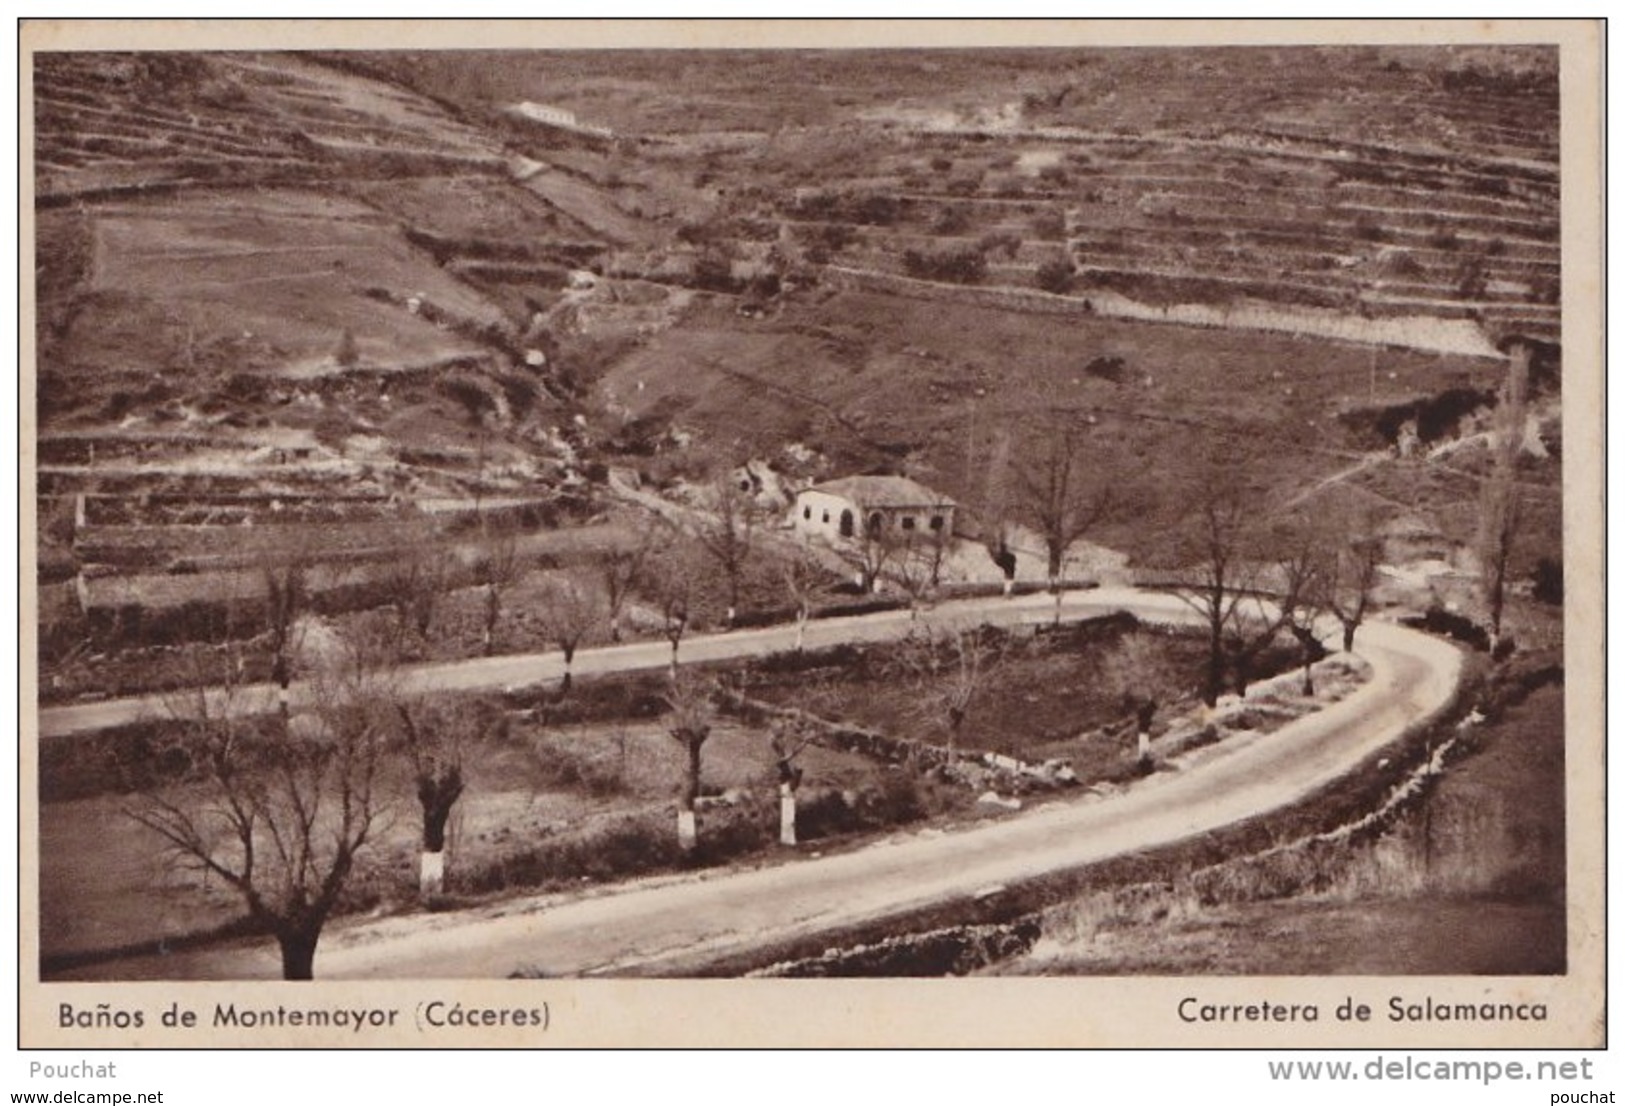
(673, 924)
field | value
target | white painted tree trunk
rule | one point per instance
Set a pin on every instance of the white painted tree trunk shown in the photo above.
(787, 815)
(801, 632)
(431, 873)
(1009, 586)
(1143, 749)
(687, 832)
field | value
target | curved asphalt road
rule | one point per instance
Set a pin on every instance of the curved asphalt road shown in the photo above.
(661, 925)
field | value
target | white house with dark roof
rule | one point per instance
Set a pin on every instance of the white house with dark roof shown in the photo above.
(853, 506)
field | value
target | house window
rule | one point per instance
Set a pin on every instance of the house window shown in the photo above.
(875, 519)
(936, 522)
(846, 523)
(806, 512)
(908, 522)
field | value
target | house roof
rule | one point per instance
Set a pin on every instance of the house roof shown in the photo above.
(883, 491)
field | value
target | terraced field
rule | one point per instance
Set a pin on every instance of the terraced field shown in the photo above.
(322, 289)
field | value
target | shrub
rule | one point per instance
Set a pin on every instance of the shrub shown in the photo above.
(955, 266)
(713, 271)
(1368, 229)
(565, 765)
(1001, 242)
(873, 209)
(1107, 368)
(1451, 625)
(1055, 275)
(1471, 283)
(1443, 238)
(1049, 225)
(951, 219)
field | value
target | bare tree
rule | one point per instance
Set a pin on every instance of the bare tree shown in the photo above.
(727, 533)
(280, 815)
(801, 577)
(1056, 497)
(1350, 574)
(1269, 606)
(1134, 666)
(1499, 507)
(914, 567)
(994, 505)
(497, 571)
(620, 569)
(286, 598)
(348, 353)
(690, 713)
(1502, 515)
(949, 667)
(1216, 578)
(438, 737)
(788, 738)
(417, 582)
(669, 580)
(871, 551)
(1303, 574)
(573, 607)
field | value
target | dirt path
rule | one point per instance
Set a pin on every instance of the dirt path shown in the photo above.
(670, 927)
(492, 673)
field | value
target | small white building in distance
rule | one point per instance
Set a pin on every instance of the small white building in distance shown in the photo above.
(853, 506)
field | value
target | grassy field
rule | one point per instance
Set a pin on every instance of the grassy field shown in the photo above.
(290, 268)
(1031, 698)
(878, 381)
(1470, 882)
(582, 789)
(106, 883)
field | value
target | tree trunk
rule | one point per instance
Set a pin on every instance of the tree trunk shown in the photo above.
(787, 814)
(1214, 684)
(687, 829)
(801, 629)
(282, 673)
(493, 612)
(1308, 676)
(615, 627)
(298, 951)
(1145, 713)
(431, 873)
(1348, 636)
(437, 795)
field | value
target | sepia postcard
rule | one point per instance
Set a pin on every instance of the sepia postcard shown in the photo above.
(811, 533)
